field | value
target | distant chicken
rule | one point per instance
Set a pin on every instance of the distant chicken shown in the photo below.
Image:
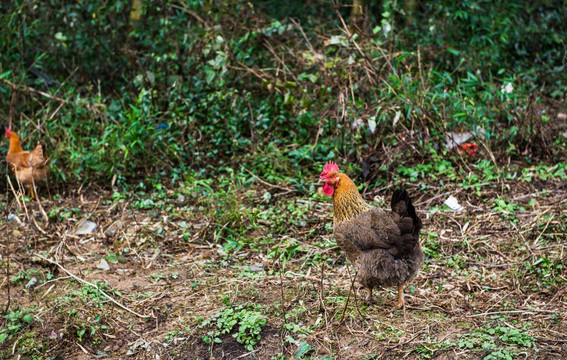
(29, 167)
(382, 245)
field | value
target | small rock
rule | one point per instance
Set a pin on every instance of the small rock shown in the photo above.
(100, 354)
(86, 227)
(182, 224)
(126, 251)
(181, 198)
(15, 218)
(257, 267)
(112, 229)
(31, 283)
(121, 271)
(103, 265)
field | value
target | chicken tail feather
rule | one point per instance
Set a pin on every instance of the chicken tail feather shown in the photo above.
(401, 204)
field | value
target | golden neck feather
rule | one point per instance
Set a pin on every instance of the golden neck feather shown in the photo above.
(15, 145)
(347, 201)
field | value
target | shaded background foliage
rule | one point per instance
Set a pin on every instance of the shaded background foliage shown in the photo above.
(281, 86)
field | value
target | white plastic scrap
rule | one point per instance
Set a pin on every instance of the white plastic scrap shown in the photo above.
(455, 139)
(453, 203)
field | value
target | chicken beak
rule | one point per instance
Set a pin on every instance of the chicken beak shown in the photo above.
(321, 182)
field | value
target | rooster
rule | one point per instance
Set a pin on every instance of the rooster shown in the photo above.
(382, 245)
(29, 167)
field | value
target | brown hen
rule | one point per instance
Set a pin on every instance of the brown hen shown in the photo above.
(29, 167)
(382, 245)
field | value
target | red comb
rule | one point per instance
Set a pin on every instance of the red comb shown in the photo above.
(7, 133)
(329, 166)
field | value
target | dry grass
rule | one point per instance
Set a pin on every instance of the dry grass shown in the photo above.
(489, 278)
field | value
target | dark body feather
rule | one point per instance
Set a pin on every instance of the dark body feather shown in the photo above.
(382, 245)
(374, 243)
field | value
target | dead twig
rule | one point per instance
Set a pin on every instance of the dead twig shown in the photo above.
(523, 312)
(30, 89)
(192, 13)
(23, 203)
(543, 231)
(93, 285)
(12, 106)
(8, 256)
(268, 184)
(348, 297)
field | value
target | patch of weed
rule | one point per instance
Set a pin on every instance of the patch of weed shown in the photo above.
(16, 320)
(248, 319)
(498, 341)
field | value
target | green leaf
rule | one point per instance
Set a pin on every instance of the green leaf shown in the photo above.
(302, 349)
(112, 258)
(210, 75)
(454, 52)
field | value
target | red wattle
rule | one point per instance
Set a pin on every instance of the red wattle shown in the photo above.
(328, 190)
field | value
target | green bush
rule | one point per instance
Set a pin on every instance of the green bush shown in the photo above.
(198, 84)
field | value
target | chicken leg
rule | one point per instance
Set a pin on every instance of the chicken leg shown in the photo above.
(400, 302)
(369, 299)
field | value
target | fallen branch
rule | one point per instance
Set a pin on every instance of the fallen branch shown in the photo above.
(93, 285)
(524, 312)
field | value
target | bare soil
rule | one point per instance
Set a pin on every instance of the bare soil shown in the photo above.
(484, 269)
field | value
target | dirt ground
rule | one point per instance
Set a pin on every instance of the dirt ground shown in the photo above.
(492, 285)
